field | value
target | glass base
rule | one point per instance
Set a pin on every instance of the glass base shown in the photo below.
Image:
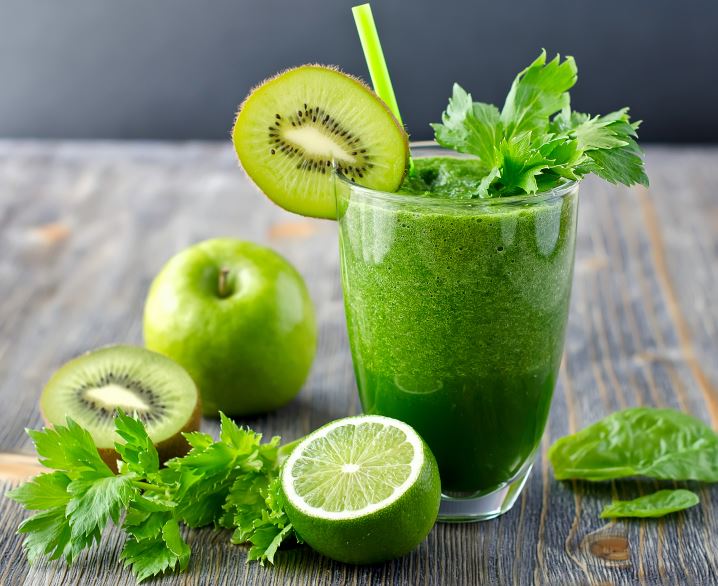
(483, 505)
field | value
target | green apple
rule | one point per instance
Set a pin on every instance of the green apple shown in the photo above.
(239, 318)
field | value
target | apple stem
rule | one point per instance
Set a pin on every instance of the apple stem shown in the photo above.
(223, 274)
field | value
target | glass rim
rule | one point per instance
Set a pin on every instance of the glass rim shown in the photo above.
(557, 192)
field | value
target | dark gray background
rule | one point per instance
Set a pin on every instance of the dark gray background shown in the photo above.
(176, 69)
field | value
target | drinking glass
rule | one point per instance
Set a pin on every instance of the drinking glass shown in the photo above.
(456, 311)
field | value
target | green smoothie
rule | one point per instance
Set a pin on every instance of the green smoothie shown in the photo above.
(456, 311)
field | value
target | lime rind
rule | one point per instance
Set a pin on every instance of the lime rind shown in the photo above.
(353, 467)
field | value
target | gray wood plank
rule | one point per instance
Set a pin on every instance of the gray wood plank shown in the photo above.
(85, 226)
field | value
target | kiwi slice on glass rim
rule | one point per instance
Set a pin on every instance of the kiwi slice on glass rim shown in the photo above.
(295, 128)
(145, 385)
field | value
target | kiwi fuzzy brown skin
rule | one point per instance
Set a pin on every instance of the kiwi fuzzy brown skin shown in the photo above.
(257, 89)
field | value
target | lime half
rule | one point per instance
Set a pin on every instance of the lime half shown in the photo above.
(362, 489)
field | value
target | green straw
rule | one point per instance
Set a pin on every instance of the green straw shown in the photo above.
(375, 57)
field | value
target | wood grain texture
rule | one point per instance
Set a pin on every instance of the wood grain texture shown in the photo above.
(85, 226)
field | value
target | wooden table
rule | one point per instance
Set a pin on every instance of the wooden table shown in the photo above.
(85, 226)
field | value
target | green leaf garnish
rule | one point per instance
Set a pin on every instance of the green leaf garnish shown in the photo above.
(205, 477)
(76, 501)
(642, 441)
(45, 491)
(137, 450)
(48, 533)
(536, 142)
(97, 500)
(537, 93)
(264, 523)
(69, 448)
(658, 504)
(228, 483)
(151, 557)
(470, 127)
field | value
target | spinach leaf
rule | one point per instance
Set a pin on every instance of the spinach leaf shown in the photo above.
(657, 504)
(641, 441)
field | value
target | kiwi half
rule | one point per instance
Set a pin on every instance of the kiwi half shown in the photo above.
(294, 128)
(144, 384)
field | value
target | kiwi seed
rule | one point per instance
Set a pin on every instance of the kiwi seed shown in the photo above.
(293, 128)
(316, 117)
